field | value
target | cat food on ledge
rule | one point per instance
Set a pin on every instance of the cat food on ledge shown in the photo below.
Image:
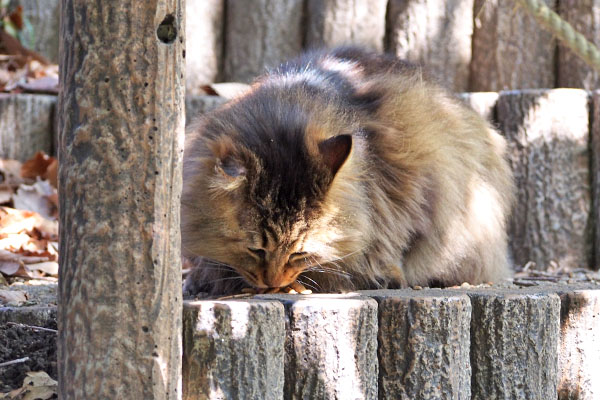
(341, 171)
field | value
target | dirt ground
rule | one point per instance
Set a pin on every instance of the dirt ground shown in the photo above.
(21, 336)
(17, 342)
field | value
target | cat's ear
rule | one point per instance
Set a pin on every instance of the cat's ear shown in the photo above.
(230, 167)
(335, 151)
(229, 175)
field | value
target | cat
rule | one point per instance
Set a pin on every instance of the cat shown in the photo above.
(344, 170)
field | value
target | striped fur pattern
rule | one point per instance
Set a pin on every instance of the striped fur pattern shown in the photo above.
(344, 170)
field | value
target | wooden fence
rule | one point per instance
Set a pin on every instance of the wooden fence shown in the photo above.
(470, 45)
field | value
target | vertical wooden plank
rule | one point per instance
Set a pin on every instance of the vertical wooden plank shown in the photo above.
(233, 349)
(510, 50)
(260, 34)
(121, 128)
(573, 72)
(44, 18)
(595, 171)
(547, 132)
(341, 22)
(204, 51)
(435, 33)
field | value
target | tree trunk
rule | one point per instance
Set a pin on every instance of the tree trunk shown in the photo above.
(121, 124)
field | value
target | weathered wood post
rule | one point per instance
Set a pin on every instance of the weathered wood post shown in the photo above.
(121, 124)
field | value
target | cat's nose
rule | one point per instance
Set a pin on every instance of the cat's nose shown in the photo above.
(277, 277)
(274, 280)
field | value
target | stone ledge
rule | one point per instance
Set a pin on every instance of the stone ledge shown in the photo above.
(480, 343)
(500, 342)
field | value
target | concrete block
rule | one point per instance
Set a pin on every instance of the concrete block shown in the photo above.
(547, 133)
(233, 349)
(579, 352)
(423, 344)
(484, 103)
(26, 125)
(514, 344)
(331, 346)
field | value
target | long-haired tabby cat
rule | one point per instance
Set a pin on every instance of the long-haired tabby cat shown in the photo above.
(344, 170)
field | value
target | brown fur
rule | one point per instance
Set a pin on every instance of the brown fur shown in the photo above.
(417, 191)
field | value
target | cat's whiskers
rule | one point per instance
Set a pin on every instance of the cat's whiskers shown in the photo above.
(310, 286)
(323, 269)
(315, 286)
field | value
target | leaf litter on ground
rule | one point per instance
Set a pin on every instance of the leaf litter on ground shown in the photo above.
(28, 219)
(22, 69)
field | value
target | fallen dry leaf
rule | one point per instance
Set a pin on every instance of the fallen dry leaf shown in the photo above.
(12, 46)
(10, 173)
(36, 197)
(18, 221)
(5, 195)
(36, 386)
(14, 241)
(52, 174)
(14, 297)
(46, 84)
(12, 268)
(27, 244)
(48, 267)
(14, 257)
(23, 70)
(36, 166)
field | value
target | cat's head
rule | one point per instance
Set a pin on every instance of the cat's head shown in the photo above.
(260, 184)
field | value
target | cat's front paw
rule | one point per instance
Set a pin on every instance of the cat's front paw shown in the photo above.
(292, 288)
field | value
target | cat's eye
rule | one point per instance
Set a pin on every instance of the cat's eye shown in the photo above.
(297, 256)
(260, 253)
